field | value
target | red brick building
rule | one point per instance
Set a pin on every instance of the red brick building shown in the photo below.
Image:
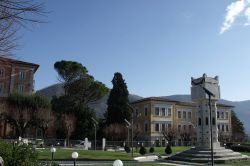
(15, 76)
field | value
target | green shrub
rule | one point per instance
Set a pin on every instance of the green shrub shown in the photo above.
(240, 148)
(143, 150)
(127, 149)
(151, 150)
(18, 155)
(168, 149)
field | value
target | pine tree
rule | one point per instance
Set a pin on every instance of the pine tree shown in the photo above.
(238, 130)
(117, 102)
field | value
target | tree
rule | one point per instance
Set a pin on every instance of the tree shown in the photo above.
(168, 149)
(24, 111)
(238, 130)
(78, 84)
(118, 101)
(115, 132)
(81, 89)
(13, 15)
(170, 135)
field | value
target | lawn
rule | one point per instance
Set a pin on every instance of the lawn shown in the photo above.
(65, 153)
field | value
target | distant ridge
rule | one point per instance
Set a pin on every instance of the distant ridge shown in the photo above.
(242, 108)
(99, 106)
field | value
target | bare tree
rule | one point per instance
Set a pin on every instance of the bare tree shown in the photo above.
(13, 15)
(170, 135)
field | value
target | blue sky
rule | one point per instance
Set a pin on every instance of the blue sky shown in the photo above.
(158, 45)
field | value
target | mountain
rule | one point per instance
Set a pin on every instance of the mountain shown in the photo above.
(99, 106)
(241, 108)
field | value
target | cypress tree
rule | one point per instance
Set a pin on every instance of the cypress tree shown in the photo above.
(238, 130)
(117, 102)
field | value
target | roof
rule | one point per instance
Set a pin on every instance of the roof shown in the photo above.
(35, 66)
(163, 100)
(173, 101)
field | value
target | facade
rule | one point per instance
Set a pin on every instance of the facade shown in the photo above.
(158, 118)
(15, 76)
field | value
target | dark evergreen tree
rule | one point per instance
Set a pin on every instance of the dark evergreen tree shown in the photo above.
(238, 130)
(168, 149)
(143, 150)
(118, 101)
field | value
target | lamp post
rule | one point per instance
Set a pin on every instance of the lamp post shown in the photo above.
(132, 126)
(95, 123)
(128, 135)
(209, 93)
(52, 150)
(74, 155)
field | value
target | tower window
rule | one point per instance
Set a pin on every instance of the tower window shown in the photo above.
(206, 120)
(199, 121)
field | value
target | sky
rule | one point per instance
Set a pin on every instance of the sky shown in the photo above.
(157, 45)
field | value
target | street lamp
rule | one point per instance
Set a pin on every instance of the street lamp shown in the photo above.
(52, 150)
(117, 163)
(128, 135)
(132, 125)
(74, 155)
(95, 123)
(209, 93)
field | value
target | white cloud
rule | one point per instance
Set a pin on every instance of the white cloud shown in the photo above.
(233, 11)
(247, 14)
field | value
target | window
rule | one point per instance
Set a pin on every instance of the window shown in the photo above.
(206, 120)
(213, 121)
(21, 88)
(163, 112)
(1, 88)
(1, 72)
(22, 75)
(157, 127)
(146, 127)
(222, 115)
(199, 121)
(157, 111)
(227, 128)
(169, 111)
(190, 128)
(136, 112)
(184, 128)
(189, 115)
(184, 114)
(218, 114)
(223, 128)
(179, 114)
(226, 115)
(163, 128)
(179, 128)
(218, 127)
(146, 111)
(169, 126)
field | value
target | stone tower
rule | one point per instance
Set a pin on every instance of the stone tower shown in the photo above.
(200, 89)
(201, 98)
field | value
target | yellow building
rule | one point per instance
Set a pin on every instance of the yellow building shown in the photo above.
(159, 120)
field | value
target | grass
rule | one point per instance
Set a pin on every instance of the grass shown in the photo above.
(65, 153)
